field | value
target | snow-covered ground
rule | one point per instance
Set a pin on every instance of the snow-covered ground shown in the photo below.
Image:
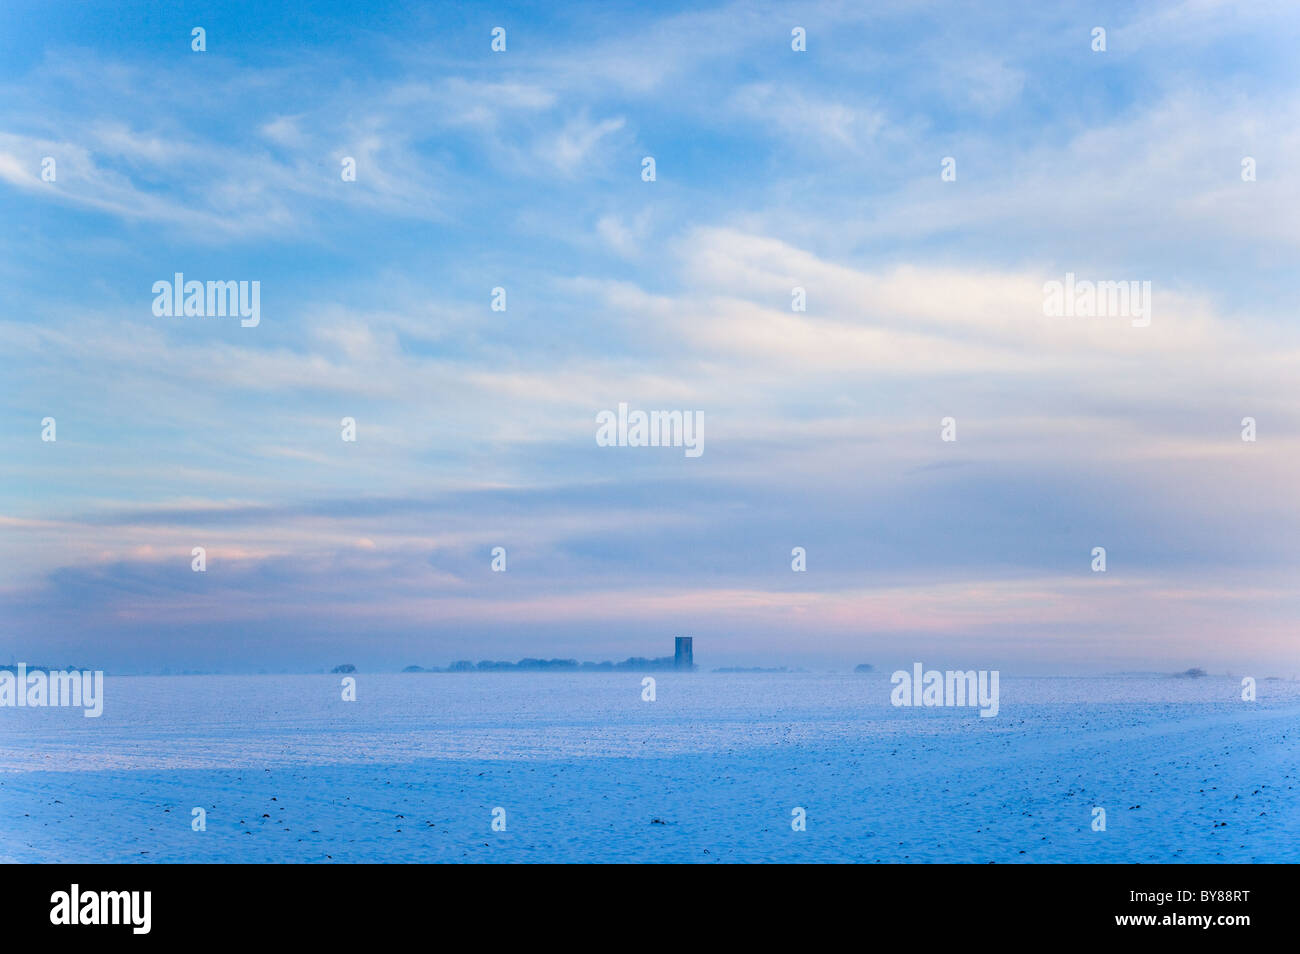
(709, 771)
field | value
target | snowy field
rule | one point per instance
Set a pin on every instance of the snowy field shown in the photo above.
(710, 771)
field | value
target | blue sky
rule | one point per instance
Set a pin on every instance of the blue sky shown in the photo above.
(775, 169)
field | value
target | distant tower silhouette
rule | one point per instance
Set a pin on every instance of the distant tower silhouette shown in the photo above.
(684, 657)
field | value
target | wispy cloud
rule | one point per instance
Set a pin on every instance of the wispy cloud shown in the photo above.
(817, 170)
